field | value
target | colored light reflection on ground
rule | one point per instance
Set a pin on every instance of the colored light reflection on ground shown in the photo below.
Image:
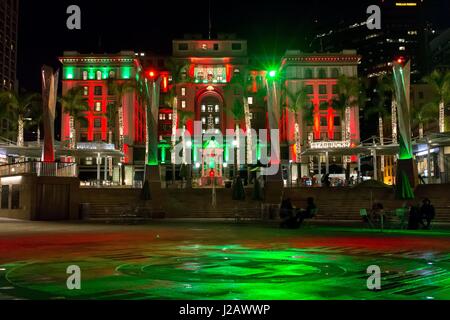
(217, 261)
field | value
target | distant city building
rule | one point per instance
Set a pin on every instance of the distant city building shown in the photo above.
(9, 12)
(403, 33)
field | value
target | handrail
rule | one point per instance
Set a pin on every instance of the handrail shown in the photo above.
(40, 168)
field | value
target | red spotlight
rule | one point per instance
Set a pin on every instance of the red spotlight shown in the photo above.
(400, 60)
(151, 74)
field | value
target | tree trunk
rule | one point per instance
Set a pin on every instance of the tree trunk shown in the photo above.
(380, 129)
(298, 145)
(394, 120)
(174, 136)
(248, 127)
(238, 162)
(20, 131)
(347, 123)
(72, 133)
(121, 130)
(441, 116)
(38, 134)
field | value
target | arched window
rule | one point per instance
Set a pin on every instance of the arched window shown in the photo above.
(85, 75)
(99, 75)
(322, 73)
(335, 73)
(308, 73)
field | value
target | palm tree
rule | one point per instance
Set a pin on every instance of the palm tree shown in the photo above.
(118, 90)
(422, 114)
(298, 102)
(379, 108)
(385, 84)
(240, 83)
(348, 89)
(36, 119)
(440, 81)
(75, 105)
(237, 112)
(17, 106)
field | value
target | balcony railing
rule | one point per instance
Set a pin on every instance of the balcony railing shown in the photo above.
(41, 169)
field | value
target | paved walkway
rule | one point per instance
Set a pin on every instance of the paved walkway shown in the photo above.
(174, 260)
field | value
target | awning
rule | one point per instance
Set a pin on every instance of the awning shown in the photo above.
(386, 150)
(35, 151)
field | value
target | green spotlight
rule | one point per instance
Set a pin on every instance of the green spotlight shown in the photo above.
(272, 73)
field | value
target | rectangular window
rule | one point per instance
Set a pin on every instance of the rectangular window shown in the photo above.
(85, 75)
(203, 120)
(216, 108)
(309, 89)
(183, 104)
(203, 108)
(322, 89)
(323, 121)
(170, 116)
(250, 100)
(335, 89)
(183, 92)
(98, 137)
(217, 120)
(236, 46)
(337, 121)
(98, 106)
(85, 90)
(216, 46)
(5, 197)
(15, 197)
(97, 123)
(98, 91)
(182, 46)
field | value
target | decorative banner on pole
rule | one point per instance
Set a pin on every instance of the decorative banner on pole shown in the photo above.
(49, 96)
(406, 179)
(152, 109)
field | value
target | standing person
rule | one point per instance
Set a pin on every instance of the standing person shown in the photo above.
(427, 212)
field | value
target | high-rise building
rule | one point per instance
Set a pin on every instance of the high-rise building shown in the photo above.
(404, 33)
(8, 43)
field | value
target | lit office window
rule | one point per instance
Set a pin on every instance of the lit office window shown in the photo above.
(183, 92)
(250, 100)
(203, 120)
(98, 106)
(85, 75)
(183, 104)
(99, 75)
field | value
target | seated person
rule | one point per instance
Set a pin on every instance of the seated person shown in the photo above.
(290, 219)
(414, 217)
(310, 208)
(427, 213)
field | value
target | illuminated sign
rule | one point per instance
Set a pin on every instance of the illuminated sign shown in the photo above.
(330, 144)
(95, 146)
(406, 4)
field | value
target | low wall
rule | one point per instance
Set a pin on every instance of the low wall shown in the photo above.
(29, 197)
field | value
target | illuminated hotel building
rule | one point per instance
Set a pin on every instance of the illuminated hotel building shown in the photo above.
(205, 91)
(93, 73)
(318, 74)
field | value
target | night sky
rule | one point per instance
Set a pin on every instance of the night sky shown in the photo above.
(271, 27)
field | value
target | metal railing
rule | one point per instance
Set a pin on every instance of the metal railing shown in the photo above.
(41, 169)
